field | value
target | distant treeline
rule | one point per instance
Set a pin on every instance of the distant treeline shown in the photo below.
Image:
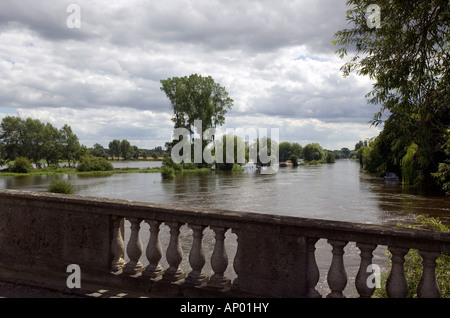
(312, 153)
(42, 143)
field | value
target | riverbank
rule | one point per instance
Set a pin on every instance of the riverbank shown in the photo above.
(73, 171)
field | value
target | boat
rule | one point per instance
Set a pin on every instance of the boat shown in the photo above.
(391, 176)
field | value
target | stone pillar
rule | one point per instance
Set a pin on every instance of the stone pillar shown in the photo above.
(361, 278)
(237, 259)
(197, 257)
(174, 254)
(313, 274)
(154, 270)
(396, 285)
(134, 249)
(337, 277)
(428, 287)
(117, 245)
(219, 260)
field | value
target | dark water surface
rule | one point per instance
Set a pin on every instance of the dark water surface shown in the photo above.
(340, 191)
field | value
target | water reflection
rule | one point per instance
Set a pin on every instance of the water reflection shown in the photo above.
(336, 192)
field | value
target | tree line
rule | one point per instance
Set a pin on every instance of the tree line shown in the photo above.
(42, 143)
(37, 141)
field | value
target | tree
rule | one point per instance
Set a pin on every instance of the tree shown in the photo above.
(114, 148)
(125, 149)
(70, 144)
(346, 152)
(231, 156)
(53, 145)
(313, 152)
(98, 151)
(32, 139)
(408, 59)
(286, 152)
(197, 98)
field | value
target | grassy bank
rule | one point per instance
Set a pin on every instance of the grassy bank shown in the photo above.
(65, 170)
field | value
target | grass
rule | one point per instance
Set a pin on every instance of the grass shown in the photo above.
(65, 170)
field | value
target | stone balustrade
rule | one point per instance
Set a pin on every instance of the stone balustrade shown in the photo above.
(43, 233)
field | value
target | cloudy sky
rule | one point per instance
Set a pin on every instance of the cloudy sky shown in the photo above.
(101, 74)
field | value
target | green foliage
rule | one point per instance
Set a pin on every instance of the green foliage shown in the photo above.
(196, 98)
(409, 167)
(91, 163)
(168, 162)
(230, 155)
(98, 151)
(287, 150)
(330, 157)
(413, 264)
(408, 58)
(313, 152)
(237, 168)
(443, 173)
(114, 148)
(22, 165)
(61, 186)
(371, 158)
(125, 149)
(294, 160)
(37, 141)
(167, 173)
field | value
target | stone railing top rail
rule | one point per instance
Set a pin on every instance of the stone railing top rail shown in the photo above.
(338, 230)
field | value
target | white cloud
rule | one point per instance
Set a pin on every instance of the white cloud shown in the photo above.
(275, 59)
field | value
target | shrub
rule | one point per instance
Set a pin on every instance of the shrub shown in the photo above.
(167, 173)
(91, 163)
(22, 165)
(168, 162)
(237, 168)
(61, 186)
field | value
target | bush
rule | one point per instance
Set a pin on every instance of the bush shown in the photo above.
(167, 173)
(61, 186)
(91, 163)
(22, 165)
(168, 162)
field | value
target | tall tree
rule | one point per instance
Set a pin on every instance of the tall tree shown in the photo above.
(70, 144)
(125, 149)
(197, 98)
(114, 148)
(407, 57)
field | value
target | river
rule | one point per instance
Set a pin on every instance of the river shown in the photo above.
(340, 191)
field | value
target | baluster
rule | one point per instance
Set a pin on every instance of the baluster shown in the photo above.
(362, 286)
(396, 285)
(197, 257)
(428, 287)
(312, 273)
(117, 245)
(237, 259)
(174, 254)
(134, 249)
(337, 277)
(219, 260)
(154, 252)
